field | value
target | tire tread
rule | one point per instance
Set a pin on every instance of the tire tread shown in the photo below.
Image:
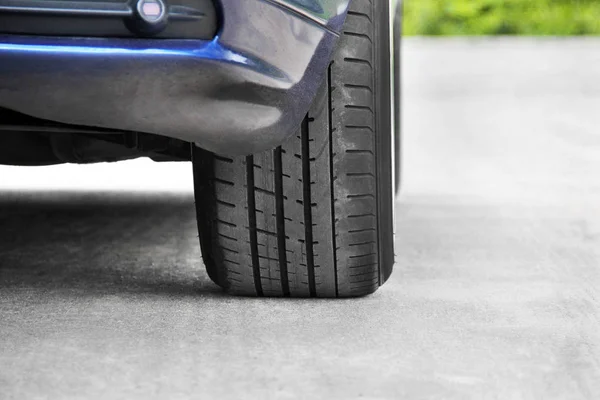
(302, 220)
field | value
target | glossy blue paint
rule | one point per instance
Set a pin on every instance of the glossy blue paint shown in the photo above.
(136, 48)
(184, 48)
(244, 91)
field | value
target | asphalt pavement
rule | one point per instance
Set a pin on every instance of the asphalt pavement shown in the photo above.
(495, 293)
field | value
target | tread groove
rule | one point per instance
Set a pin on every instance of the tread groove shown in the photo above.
(223, 181)
(361, 196)
(224, 159)
(359, 14)
(252, 224)
(360, 35)
(225, 203)
(360, 174)
(358, 61)
(280, 216)
(331, 179)
(367, 127)
(362, 243)
(308, 234)
(226, 223)
(354, 86)
(358, 107)
(362, 215)
(378, 85)
(359, 152)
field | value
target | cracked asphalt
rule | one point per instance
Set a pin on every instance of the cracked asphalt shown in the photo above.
(495, 294)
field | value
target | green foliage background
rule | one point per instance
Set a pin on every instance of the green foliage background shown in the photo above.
(502, 17)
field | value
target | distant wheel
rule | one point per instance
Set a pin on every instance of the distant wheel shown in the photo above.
(313, 217)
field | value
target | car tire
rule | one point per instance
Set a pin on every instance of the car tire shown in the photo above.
(313, 217)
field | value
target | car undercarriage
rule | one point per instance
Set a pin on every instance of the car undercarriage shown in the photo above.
(29, 141)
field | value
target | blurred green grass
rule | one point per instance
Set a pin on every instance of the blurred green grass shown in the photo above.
(501, 17)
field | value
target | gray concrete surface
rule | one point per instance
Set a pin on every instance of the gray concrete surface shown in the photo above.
(495, 294)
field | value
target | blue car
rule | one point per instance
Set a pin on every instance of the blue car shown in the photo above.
(284, 107)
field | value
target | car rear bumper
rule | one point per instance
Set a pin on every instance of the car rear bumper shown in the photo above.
(244, 91)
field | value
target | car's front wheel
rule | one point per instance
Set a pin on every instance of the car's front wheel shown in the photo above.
(313, 217)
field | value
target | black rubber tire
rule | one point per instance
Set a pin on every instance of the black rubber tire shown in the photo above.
(313, 217)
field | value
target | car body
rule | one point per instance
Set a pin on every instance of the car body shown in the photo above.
(241, 91)
(226, 84)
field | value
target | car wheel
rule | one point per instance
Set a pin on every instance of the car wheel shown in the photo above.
(313, 217)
